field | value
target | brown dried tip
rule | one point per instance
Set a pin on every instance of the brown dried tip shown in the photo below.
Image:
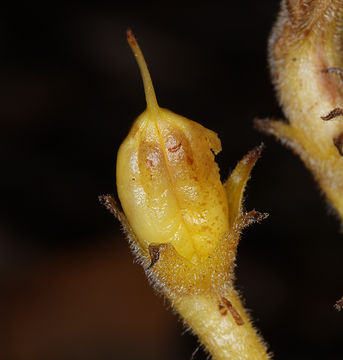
(110, 204)
(333, 114)
(262, 125)
(236, 184)
(130, 37)
(254, 154)
(252, 217)
(154, 252)
(339, 304)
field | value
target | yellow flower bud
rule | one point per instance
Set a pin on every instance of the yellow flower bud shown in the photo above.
(168, 181)
(184, 224)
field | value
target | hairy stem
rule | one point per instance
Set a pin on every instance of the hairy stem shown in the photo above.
(222, 325)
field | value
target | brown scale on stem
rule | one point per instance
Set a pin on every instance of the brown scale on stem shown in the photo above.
(222, 309)
(228, 306)
(154, 252)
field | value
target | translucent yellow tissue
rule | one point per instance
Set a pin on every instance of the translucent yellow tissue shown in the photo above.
(168, 181)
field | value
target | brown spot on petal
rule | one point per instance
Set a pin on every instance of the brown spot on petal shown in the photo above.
(149, 163)
(175, 148)
(153, 156)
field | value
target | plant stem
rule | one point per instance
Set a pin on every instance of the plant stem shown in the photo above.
(225, 334)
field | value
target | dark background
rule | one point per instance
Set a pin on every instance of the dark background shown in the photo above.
(69, 91)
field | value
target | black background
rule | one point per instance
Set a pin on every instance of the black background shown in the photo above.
(69, 91)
